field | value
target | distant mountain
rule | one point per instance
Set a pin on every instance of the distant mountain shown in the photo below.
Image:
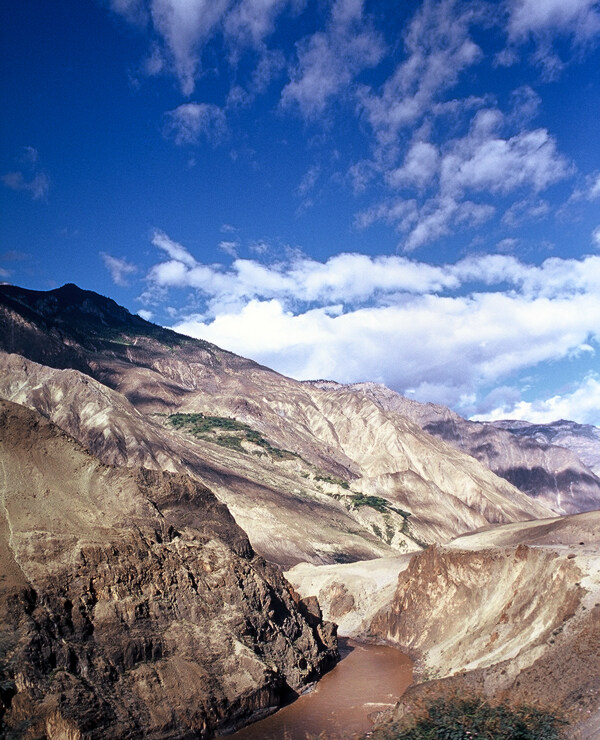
(582, 439)
(548, 462)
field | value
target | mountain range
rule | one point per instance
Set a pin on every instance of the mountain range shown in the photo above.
(155, 486)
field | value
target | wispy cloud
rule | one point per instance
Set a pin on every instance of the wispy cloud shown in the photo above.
(189, 122)
(579, 19)
(37, 186)
(31, 178)
(328, 61)
(438, 48)
(547, 21)
(483, 163)
(119, 269)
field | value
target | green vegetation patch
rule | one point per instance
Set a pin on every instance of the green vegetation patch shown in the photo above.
(226, 432)
(378, 503)
(332, 479)
(468, 719)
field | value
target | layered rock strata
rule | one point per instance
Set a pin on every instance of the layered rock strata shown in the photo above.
(515, 622)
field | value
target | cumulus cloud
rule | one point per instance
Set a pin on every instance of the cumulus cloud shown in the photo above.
(328, 61)
(445, 331)
(581, 404)
(119, 269)
(452, 344)
(189, 122)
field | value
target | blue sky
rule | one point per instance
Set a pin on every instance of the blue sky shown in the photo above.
(401, 192)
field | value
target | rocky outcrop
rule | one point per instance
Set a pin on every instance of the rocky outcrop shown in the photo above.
(517, 621)
(462, 610)
(553, 463)
(350, 594)
(131, 603)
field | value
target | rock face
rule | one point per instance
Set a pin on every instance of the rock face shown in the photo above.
(131, 603)
(466, 610)
(336, 478)
(554, 463)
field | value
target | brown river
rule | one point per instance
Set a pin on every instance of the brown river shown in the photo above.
(368, 679)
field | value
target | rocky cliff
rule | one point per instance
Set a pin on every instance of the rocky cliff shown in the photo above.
(513, 613)
(131, 603)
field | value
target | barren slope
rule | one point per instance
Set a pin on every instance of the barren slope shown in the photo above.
(344, 442)
(132, 604)
(547, 462)
(289, 513)
(582, 439)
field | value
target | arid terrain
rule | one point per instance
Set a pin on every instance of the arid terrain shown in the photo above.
(154, 486)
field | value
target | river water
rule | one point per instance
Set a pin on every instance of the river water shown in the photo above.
(368, 679)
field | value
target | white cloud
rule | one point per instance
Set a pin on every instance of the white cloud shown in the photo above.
(454, 345)
(185, 25)
(593, 191)
(37, 185)
(251, 21)
(328, 61)
(547, 21)
(191, 121)
(146, 315)
(582, 404)
(447, 330)
(419, 168)
(485, 161)
(482, 162)
(596, 237)
(525, 210)
(175, 250)
(229, 247)
(438, 49)
(579, 18)
(308, 181)
(119, 268)
(507, 245)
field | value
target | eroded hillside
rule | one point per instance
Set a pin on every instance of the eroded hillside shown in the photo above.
(343, 477)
